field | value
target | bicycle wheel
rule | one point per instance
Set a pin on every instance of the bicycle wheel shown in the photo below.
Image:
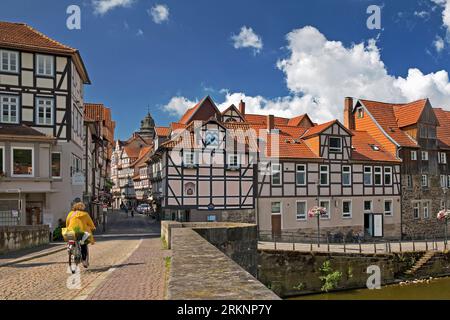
(72, 262)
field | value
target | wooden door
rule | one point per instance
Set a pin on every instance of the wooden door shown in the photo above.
(276, 225)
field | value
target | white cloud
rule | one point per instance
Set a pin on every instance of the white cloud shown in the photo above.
(439, 44)
(159, 13)
(445, 14)
(103, 6)
(422, 14)
(140, 32)
(177, 106)
(320, 73)
(247, 38)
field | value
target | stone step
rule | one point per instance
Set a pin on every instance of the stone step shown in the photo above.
(421, 262)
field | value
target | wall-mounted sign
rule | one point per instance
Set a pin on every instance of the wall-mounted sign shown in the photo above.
(78, 179)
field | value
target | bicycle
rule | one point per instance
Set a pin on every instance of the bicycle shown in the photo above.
(75, 256)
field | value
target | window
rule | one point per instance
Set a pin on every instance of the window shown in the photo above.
(325, 204)
(346, 208)
(443, 180)
(416, 210)
(426, 211)
(300, 174)
(442, 157)
(188, 159)
(2, 161)
(346, 175)
(442, 205)
(233, 161)
(368, 176)
(211, 218)
(414, 155)
(44, 112)
(324, 175)
(377, 176)
(9, 109)
(387, 176)
(44, 65)
(335, 144)
(76, 164)
(424, 180)
(425, 155)
(276, 207)
(276, 174)
(409, 182)
(9, 61)
(448, 181)
(368, 205)
(301, 210)
(22, 162)
(56, 164)
(360, 113)
(388, 207)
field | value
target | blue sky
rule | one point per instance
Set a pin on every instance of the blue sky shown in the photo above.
(134, 62)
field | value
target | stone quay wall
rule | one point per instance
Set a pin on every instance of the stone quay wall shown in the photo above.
(201, 271)
(14, 238)
(294, 273)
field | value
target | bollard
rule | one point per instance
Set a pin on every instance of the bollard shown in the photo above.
(426, 244)
(414, 245)
(343, 240)
(328, 244)
(359, 243)
(293, 242)
(374, 247)
(400, 245)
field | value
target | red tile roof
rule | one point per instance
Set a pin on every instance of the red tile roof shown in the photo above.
(409, 114)
(384, 114)
(22, 36)
(443, 130)
(364, 148)
(318, 129)
(262, 119)
(162, 131)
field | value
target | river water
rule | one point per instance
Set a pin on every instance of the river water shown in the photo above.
(436, 289)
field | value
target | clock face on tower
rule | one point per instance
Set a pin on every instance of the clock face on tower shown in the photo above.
(212, 138)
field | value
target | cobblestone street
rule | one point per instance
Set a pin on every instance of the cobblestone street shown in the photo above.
(127, 262)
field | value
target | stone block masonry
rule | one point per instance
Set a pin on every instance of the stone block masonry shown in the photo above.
(14, 238)
(200, 271)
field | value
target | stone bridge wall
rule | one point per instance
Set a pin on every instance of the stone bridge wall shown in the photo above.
(14, 238)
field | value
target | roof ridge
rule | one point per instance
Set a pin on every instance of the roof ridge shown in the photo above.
(48, 38)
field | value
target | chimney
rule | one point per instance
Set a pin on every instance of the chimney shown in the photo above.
(349, 119)
(270, 122)
(242, 107)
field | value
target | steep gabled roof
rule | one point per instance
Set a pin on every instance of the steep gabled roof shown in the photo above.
(367, 148)
(162, 131)
(409, 114)
(233, 107)
(296, 121)
(22, 36)
(443, 130)
(186, 118)
(384, 115)
(262, 119)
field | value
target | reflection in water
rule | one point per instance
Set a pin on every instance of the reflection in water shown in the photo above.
(436, 289)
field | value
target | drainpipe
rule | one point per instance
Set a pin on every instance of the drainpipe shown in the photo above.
(401, 193)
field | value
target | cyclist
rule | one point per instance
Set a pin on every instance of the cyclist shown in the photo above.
(79, 220)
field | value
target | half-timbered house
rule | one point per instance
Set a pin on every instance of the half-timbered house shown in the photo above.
(41, 88)
(417, 134)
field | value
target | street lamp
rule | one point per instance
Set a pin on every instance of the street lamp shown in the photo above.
(317, 212)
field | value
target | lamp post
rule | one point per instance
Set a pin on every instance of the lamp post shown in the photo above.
(316, 212)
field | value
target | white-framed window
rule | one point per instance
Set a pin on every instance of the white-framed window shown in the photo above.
(426, 209)
(22, 160)
(378, 176)
(360, 113)
(56, 164)
(414, 155)
(44, 111)
(424, 180)
(9, 61)
(416, 210)
(388, 207)
(425, 155)
(368, 176)
(443, 180)
(9, 108)
(276, 174)
(188, 159)
(346, 208)
(301, 210)
(335, 144)
(442, 157)
(367, 205)
(442, 205)
(387, 176)
(324, 175)
(233, 161)
(276, 207)
(325, 204)
(409, 182)
(76, 164)
(2, 161)
(44, 65)
(346, 175)
(300, 174)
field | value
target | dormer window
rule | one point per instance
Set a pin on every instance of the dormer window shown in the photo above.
(188, 159)
(375, 147)
(335, 144)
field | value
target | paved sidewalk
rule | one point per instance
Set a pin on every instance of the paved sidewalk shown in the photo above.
(30, 253)
(142, 278)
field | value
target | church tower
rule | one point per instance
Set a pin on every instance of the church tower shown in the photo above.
(147, 127)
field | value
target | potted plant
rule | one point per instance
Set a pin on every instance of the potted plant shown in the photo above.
(317, 212)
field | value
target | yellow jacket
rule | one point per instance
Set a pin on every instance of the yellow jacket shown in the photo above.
(82, 221)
